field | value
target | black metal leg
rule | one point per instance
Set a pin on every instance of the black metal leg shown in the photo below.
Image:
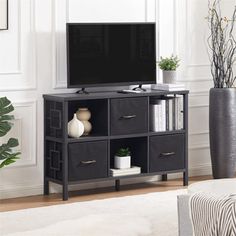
(185, 174)
(46, 187)
(164, 177)
(117, 185)
(65, 192)
(185, 178)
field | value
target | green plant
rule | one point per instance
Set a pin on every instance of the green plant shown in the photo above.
(7, 154)
(123, 152)
(169, 63)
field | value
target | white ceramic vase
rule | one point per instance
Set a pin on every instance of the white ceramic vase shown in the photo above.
(169, 76)
(75, 127)
(122, 162)
(83, 114)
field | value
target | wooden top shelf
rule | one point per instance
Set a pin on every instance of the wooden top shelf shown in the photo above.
(111, 94)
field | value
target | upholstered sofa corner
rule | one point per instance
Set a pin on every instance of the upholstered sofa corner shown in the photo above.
(184, 222)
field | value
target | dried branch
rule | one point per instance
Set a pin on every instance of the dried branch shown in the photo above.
(222, 45)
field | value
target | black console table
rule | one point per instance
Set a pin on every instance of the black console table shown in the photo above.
(157, 153)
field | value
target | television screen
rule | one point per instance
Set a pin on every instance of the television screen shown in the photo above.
(110, 54)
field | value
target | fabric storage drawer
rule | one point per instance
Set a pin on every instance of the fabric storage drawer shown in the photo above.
(87, 160)
(166, 152)
(129, 115)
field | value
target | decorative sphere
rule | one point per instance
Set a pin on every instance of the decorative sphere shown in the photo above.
(87, 127)
(83, 114)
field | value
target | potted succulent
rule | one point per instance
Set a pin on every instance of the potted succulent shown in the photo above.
(222, 104)
(7, 154)
(168, 66)
(122, 159)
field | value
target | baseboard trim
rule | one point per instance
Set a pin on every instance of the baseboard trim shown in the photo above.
(21, 191)
(200, 170)
(31, 190)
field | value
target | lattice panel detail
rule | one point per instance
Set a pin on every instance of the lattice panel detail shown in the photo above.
(54, 160)
(54, 119)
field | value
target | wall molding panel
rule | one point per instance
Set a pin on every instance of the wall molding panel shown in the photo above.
(60, 13)
(25, 112)
(24, 129)
(199, 94)
(22, 34)
(199, 133)
(17, 69)
(199, 65)
(198, 106)
(196, 79)
(200, 146)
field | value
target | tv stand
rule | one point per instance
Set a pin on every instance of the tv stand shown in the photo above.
(139, 88)
(82, 91)
(118, 120)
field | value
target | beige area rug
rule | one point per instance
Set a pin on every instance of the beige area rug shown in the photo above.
(141, 215)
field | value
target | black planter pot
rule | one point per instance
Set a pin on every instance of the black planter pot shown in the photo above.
(222, 124)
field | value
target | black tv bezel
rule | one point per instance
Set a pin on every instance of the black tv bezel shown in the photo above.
(106, 84)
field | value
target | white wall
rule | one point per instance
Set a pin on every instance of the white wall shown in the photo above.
(191, 33)
(32, 62)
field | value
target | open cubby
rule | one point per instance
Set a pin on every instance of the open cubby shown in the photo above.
(118, 120)
(138, 148)
(166, 113)
(99, 114)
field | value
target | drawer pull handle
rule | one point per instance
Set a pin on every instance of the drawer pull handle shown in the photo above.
(88, 162)
(167, 154)
(127, 117)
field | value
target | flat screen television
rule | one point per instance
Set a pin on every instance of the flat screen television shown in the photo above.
(108, 54)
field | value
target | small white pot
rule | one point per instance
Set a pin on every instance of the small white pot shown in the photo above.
(169, 76)
(122, 162)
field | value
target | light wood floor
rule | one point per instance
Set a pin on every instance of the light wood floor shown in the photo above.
(88, 195)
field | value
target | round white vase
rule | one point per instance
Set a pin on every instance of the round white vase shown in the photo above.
(75, 127)
(169, 76)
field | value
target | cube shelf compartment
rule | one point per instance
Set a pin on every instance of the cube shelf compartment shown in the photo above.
(99, 114)
(138, 148)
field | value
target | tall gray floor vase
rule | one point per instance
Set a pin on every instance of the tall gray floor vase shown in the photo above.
(222, 124)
